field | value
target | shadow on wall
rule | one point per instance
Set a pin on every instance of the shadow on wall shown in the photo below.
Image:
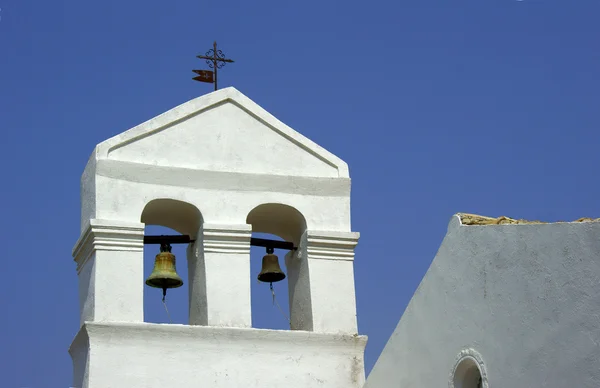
(281, 220)
(177, 215)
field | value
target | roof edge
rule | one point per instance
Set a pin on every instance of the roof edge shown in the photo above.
(468, 219)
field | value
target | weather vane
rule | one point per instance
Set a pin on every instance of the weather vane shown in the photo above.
(215, 60)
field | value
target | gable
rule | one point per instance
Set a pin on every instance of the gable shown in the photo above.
(223, 131)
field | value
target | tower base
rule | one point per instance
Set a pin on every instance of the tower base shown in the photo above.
(146, 355)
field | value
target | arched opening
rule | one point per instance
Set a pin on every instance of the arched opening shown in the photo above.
(467, 374)
(175, 307)
(268, 312)
(280, 222)
(169, 217)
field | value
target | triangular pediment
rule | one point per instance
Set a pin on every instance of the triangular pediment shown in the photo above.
(223, 131)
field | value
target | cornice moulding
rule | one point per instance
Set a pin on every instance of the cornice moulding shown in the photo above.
(215, 336)
(108, 235)
(331, 245)
(234, 239)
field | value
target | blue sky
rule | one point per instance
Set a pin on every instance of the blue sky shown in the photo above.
(487, 106)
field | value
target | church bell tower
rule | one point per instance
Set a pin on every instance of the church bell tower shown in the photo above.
(216, 169)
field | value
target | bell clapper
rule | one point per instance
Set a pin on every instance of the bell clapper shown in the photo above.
(164, 293)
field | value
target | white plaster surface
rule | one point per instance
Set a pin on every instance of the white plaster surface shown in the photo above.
(109, 261)
(223, 252)
(220, 128)
(216, 168)
(148, 355)
(524, 298)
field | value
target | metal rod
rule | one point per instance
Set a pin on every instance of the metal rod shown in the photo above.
(185, 239)
(173, 239)
(218, 59)
(215, 62)
(262, 242)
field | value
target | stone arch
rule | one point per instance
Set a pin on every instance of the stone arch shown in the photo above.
(181, 216)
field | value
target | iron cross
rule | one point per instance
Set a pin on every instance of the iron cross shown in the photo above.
(215, 60)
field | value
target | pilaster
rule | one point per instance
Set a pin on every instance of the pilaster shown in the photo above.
(330, 257)
(220, 276)
(109, 257)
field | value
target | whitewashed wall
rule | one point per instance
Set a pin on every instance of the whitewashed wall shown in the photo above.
(155, 356)
(520, 302)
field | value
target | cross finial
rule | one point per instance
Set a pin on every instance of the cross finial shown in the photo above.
(215, 60)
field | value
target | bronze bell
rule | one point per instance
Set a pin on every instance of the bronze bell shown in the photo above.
(271, 271)
(164, 275)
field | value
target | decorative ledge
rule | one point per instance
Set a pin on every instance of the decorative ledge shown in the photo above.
(474, 219)
(215, 336)
(104, 235)
(331, 245)
(234, 239)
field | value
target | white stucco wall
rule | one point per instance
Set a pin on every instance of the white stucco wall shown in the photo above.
(521, 300)
(148, 355)
(216, 168)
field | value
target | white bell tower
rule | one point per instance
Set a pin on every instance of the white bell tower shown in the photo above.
(216, 169)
